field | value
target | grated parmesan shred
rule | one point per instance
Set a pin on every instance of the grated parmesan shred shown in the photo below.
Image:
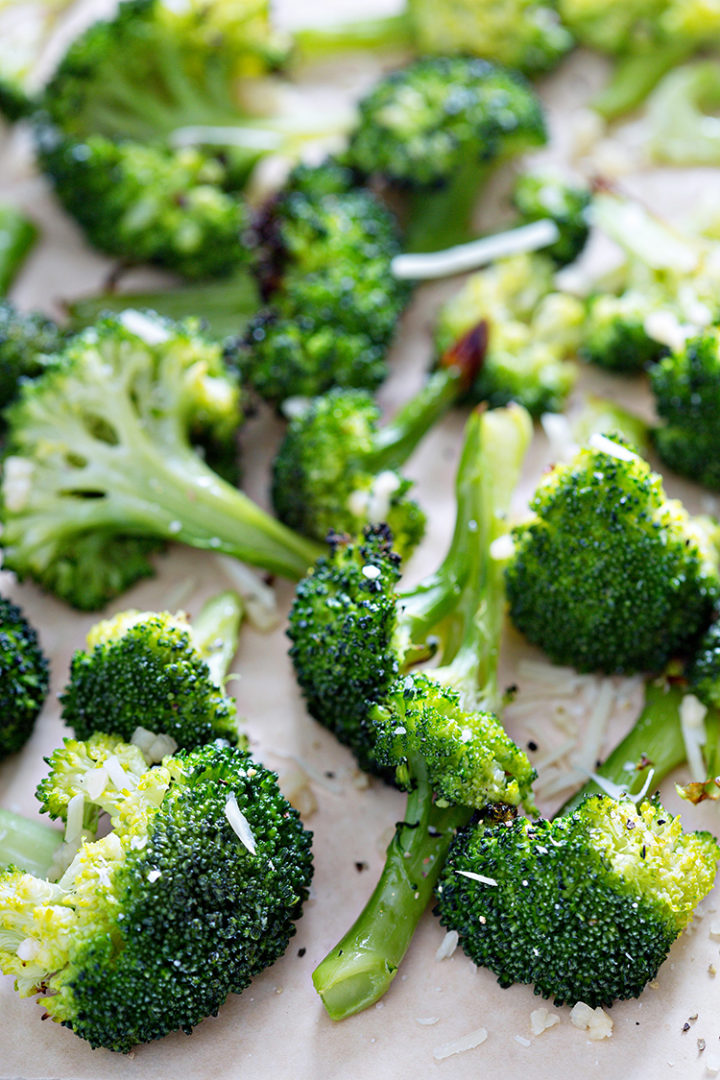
(692, 717)
(240, 824)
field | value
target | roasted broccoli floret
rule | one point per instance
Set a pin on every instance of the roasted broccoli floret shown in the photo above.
(17, 237)
(704, 670)
(524, 34)
(434, 130)
(157, 672)
(27, 339)
(100, 470)
(539, 196)
(609, 574)
(435, 729)
(338, 469)
(192, 894)
(615, 334)
(584, 907)
(686, 385)
(533, 332)
(24, 677)
(324, 266)
(645, 37)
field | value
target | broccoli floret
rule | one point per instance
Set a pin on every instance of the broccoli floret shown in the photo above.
(681, 118)
(646, 38)
(24, 677)
(615, 334)
(158, 672)
(100, 469)
(686, 385)
(449, 752)
(27, 339)
(533, 333)
(324, 266)
(609, 574)
(193, 893)
(585, 907)
(538, 196)
(434, 130)
(336, 469)
(17, 237)
(524, 34)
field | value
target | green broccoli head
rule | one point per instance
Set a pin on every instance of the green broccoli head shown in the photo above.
(703, 671)
(525, 34)
(686, 385)
(538, 196)
(420, 125)
(592, 902)
(204, 874)
(24, 678)
(27, 339)
(615, 334)
(466, 757)
(143, 669)
(610, 575)
(176, 208)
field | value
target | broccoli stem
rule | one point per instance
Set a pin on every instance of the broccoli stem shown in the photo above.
(654, 742)
(17, 237)
(319, 42)
(634, 76)
(442, 217)
(359, 970)
(29, 845)
(225, 306)
(215, 632)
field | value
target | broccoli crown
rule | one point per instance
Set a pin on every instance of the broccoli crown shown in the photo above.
(26, 340)
(615, 335)
(420, 125)
(143, 670)
(324, 265)
(703, 671)
(24, 678)
(591, 902)
(467, 756)
(640, 25)
(342, 628)
(537, 196)
(323, 475)
(525, 34)
(609, 574)
(533, 332)
(193, 893)
(686, 385)
(176, 208)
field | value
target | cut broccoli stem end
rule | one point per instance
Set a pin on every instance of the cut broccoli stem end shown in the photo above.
(359, 970)
(442, 217)
(215, 633)
(366, 35)
(17, 237)
(29, 845)
(634, 76)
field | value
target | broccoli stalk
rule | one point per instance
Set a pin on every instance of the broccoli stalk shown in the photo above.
(24, 678)
(634, 76)
(17, 237)
(442, 767)
(27, 844)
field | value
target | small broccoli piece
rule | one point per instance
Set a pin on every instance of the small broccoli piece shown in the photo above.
(615, 334)
(537, 196)
(449, 752)
(324, 266)
(533, 333)
(584, 907)
(646, 38)
(158, 672)
(686, 385)
(525, 34)
(336, 469)
(193, 893)
(24, 678)
(704, 670)
(27, 339)
(680, 112)
(434, 129)
(100, 469)
(17, 237)
(610, 575)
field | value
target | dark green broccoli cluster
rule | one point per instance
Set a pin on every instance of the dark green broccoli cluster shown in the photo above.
(24, 678)
(537, 196)
(609, 574)
(615, 334)
(27, 339)
(686, 385)
(434, 129)
(324, 265)
(585, 907)
(704, 670)
(146, 669)
(193, 893)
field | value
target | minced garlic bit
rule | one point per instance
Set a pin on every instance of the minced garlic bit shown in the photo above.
(595, 1022)
(448, 945)
(467, 1042)
(541, 1020)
